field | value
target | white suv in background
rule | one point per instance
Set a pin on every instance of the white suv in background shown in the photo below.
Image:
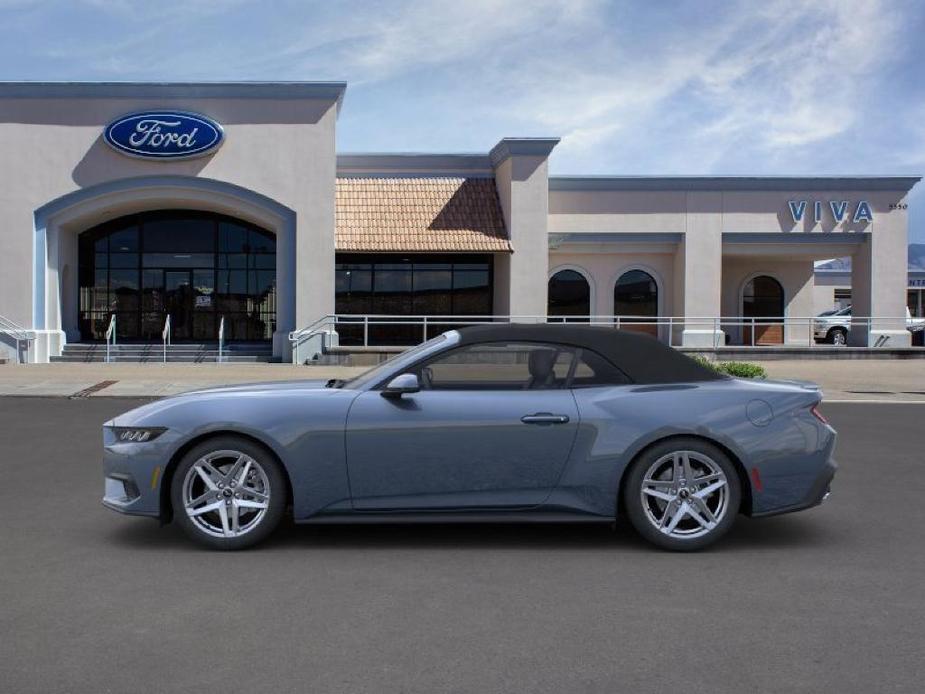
(832, 326)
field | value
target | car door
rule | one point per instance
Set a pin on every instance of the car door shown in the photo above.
(491, 428)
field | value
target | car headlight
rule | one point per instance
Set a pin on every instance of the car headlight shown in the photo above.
(137, 434)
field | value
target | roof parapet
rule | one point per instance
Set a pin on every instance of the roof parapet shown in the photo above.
(733, 183)
(333, 91)
(521, 146)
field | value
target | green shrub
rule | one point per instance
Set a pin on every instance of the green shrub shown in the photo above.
(739, 369)
(742, 369)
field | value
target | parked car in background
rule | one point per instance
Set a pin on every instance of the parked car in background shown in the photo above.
(494, 423)
(833, 326)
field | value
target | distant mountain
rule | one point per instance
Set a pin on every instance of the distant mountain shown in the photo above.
(916, 260)
(843, 264)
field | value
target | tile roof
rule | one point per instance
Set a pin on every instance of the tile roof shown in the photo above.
(419, 214)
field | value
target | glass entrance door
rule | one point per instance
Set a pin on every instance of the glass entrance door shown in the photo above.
(178, 302)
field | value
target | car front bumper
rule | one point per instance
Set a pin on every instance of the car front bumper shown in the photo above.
(133, 473)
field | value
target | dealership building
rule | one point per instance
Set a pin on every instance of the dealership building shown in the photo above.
(226, 205)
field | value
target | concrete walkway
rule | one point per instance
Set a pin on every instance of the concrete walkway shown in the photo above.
(855, 380)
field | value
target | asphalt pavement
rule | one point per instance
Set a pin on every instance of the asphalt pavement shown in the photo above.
(829, 600)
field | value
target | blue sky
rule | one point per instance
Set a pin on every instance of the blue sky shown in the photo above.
(755, 87)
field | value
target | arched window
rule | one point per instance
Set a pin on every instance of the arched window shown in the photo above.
(763, 300)
(635, 300)
(196, 267)
(569, 295)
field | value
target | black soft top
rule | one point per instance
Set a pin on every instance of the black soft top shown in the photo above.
(644, 359)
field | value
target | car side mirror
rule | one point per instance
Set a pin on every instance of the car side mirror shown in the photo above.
(400, 385)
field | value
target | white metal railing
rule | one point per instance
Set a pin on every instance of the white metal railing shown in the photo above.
(298, 338)
(18, 334)
(110, 336)
(365, 331)
(221, 339)
(165, 336)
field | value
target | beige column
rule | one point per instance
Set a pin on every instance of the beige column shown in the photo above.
(522, 178)
(701, 256)
(879, 276)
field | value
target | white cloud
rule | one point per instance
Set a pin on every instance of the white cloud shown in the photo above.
(689, 86)
(386, 41)
(771, 76)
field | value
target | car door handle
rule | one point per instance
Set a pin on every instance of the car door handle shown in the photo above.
(544, 418)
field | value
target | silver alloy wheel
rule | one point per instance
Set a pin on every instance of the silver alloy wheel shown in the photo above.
(685, 494)
(226, 493)
(839, 337)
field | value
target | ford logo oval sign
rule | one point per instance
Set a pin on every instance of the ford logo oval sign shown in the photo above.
(164, 135)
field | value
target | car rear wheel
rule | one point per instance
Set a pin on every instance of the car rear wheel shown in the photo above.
(228, 493)
(682, 494)
(838, 336)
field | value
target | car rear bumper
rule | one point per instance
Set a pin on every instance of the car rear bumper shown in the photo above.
(818, 492)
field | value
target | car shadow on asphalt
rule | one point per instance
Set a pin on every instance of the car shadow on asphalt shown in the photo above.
(785, 532)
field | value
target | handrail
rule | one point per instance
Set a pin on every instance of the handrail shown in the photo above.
(110, 335)
(794, 329)
(165, 336)
(221, 338)
(298, 337)
(18, 333)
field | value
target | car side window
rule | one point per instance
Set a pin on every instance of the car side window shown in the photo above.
(499, 366)
(591, 369)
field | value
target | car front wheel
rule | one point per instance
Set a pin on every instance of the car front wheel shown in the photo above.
(228, 493)
(682, 494)
(838, 336)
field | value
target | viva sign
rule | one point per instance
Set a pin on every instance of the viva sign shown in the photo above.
(840, 210)
(164, 135)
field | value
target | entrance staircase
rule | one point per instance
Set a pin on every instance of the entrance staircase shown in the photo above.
(206, 352)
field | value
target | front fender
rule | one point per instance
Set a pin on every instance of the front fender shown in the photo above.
(304, 429)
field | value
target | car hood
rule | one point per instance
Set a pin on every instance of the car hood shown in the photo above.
(147, 414)
(262, 387)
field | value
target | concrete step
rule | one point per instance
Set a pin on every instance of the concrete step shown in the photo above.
(235, 347)
(158, 352)
(154, 352)
(347, 358)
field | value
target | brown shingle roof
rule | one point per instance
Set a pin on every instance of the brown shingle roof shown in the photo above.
(419, 214)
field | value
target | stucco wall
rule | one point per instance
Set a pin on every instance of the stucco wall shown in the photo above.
(282, 149)
(796, 278)
(618, 211)
(729, 232)
(523, 189)
(823, 298)
(604, 270)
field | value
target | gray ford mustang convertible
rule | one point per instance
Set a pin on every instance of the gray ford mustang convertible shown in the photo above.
(488, 423)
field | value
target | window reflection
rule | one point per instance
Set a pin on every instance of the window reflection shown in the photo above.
(194, 266)
(409, 286)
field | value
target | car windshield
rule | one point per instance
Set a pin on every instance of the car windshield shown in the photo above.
(378, 372)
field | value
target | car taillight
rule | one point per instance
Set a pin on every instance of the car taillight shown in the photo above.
(817, 414)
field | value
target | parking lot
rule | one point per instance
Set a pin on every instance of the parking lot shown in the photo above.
(830, 600)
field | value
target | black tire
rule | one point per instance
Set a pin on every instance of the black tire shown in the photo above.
(838, 336)
(275, 481)
(641, 518)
